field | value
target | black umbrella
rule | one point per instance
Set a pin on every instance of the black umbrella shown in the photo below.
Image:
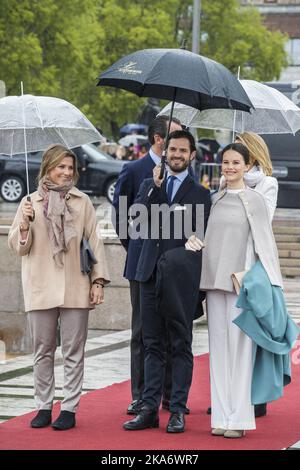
(177, 75)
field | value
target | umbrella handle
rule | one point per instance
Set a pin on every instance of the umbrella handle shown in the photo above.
(163, 165)
(164, 154)
(33, 217)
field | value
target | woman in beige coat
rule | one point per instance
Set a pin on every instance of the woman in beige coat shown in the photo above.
(53, 285)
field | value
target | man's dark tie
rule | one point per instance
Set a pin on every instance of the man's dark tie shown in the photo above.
(171, 180)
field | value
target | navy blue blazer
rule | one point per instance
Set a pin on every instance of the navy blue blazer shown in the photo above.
(190, 193)
(128, 184)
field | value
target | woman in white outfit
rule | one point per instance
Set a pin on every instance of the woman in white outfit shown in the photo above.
(238, 220)
(259, 176)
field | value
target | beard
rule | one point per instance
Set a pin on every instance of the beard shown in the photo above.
(178, 165)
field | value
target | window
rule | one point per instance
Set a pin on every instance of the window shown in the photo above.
(292, 47)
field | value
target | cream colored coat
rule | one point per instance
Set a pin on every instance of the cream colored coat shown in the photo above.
(261, 230)
(45, 285)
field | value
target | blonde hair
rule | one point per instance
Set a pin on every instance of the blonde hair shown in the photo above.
(258, 149)
(52, 157)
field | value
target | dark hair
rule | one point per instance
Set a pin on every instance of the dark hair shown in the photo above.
(240, 148)
(160, 126)
(182, 134)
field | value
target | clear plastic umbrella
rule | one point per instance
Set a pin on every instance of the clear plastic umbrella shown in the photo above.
(274, 113)
(31, 123)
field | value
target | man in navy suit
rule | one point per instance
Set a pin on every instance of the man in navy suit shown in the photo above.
(128, 184)
(182, 193)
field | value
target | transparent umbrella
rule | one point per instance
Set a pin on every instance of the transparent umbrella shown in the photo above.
(274, 113)
(31, 123)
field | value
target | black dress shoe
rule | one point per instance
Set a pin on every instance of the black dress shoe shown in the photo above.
(208, 412)
(165, 404)
(42, 419)
(134, 407)
(176, 422)
(260, 410)
(66, 420)
(146, 418)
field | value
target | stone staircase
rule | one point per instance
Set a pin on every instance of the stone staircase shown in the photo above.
(286, 227)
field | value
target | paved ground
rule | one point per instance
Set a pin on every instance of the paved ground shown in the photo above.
(107, 352)
(107, 362)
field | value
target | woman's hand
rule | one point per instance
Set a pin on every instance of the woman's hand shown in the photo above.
(194, 244)
(27, 211)
(97, 294)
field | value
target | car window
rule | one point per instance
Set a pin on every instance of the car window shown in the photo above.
(36, 156)
(94, 154)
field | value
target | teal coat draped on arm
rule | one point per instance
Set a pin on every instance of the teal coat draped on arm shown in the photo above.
(266, 321)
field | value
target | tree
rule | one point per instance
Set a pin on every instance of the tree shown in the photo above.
(236, 37)
(130, 26)
(54, 46)
(59, 47)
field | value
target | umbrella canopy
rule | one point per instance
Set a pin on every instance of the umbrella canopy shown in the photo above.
(160, 73)
(274, 113)
(46, 121)
(134, 139)
(128, 128)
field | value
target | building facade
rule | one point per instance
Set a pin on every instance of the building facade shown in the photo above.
(284, 16)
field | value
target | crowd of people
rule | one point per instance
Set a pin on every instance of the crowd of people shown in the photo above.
(169, 277)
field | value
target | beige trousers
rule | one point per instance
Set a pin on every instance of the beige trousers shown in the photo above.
(73, 329)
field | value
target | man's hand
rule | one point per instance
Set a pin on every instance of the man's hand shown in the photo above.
(156, 172)
(194, 244)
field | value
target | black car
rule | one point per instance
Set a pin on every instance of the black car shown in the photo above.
(98, 173)
(285, 154)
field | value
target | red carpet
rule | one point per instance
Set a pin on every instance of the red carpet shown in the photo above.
(101, 415)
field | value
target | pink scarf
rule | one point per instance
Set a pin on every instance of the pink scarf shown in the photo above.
(59, 217)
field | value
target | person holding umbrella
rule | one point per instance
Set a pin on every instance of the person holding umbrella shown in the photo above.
(259, 176)
(54, 287)
(181, 193)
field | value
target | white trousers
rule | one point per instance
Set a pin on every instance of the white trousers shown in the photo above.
(73, 330)
(230, 364)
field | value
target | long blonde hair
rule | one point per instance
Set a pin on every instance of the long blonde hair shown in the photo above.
(258, 149)
(52, 157)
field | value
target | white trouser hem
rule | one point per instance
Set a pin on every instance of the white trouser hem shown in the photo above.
(234, 426)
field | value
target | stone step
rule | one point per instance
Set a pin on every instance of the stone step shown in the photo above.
(288, 238)
(289, 254)
(290, 271)
(285, 230)
(295, 262)
(288, 246)
(6, 220)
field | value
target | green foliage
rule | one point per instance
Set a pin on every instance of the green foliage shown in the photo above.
(236, 37)
(59, 47)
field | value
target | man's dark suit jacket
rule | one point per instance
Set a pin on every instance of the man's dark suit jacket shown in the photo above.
(128, 184)
(189, 193)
